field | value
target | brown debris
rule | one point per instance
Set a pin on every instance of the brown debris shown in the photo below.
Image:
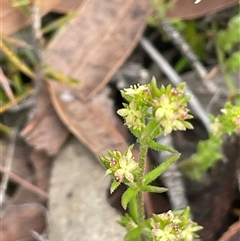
(45, 132)
(66, 6)
(42, 164)
(25, 184)
(108, 33)
(212, 201)
(233, 233)
(97, 42)
(90, 122)
(19, 220)
(12, 19)
(91, 48)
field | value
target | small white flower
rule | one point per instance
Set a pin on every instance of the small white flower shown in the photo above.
(135, 89)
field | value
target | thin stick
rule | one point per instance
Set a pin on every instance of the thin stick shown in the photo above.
(8, 164)
(27, 104)
(186, 51)
(24, 183)
(175, 79)
(172, 177)
(37, 37)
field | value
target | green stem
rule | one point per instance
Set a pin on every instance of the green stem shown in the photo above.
(140, 200)
(229, 82)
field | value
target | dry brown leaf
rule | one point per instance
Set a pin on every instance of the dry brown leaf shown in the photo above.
(91, 122)
(22, 168)
(45, 132)
(186, 9)
(12, 19)
(19, 220)
(42, 164)
(20, 162)
(233, 233)
(68, 5)
(91, 48)
(98, 41)
(23, 195)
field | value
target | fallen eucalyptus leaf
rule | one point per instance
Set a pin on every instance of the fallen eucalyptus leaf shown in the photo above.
(94, 44)
(186, 9)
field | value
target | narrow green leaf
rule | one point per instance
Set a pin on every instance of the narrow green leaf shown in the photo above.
(186, 213)
(15, 42)
(18, 83)
(152, 175)
(5, 130)
(8, 105)
(105, 161)
(150, 188)
(114, 186)
(16, 60)
(128, 195)
(126, 97)
(132, 206)
(158, 147)
(19, 3)
(59, 23)
(29, 56)
(133, 235)
(152, 130)
(135, 132)
(59, 76)
(155, 91)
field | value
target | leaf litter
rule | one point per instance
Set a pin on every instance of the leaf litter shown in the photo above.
(91, 48)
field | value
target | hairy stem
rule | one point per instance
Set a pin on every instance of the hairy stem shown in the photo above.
(142, 165)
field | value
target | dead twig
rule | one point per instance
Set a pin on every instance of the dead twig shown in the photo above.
(8, 164)
(37, 39)
(24, 183)
(27, 104)
(172, 177)
(186, 51)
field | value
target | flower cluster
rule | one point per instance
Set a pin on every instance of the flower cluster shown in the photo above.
(120, 166)
(167, 105)
(170, 108)
(134, 112)
(231, 118)
(149, 112)
(170, 227)
(228, 122)
(133, 116)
